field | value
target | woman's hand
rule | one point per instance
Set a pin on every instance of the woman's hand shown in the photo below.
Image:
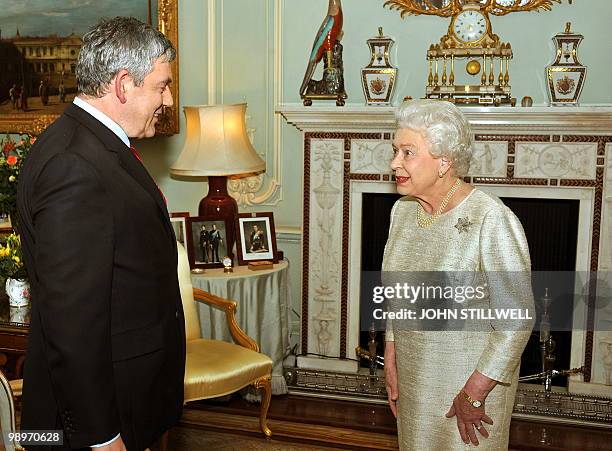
(391, 376)
(470, 418)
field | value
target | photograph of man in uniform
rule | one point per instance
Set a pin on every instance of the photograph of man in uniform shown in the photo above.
(204, 244)
(215, 241)
(257, 240)
(208, 240)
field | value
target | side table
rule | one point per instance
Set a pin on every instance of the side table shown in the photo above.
(262, 312)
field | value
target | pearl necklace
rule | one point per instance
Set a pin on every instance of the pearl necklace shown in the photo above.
(425, 221)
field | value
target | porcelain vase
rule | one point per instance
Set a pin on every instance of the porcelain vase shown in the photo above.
(18, 291)
(565, 76)
(378, 77)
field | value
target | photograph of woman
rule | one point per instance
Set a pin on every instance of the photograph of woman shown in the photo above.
(451, 390)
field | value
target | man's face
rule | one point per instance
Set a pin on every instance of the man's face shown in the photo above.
(144, 103)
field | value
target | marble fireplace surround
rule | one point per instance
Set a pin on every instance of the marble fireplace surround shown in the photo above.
(545, 152)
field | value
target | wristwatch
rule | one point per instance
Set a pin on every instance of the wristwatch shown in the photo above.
(474, 402)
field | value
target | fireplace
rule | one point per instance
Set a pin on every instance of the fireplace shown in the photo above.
(551, 227)
(520, 154)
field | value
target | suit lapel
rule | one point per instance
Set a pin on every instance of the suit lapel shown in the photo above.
(135, 168)
(127, 160)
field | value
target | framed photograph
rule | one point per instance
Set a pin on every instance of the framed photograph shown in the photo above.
(179, 224)
(207, 240)
(40, 44)
(256, 238)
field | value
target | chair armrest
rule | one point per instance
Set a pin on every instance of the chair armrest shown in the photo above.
(16, 387)
(229, 307)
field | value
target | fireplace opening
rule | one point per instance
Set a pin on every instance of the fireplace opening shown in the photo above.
(551, 228)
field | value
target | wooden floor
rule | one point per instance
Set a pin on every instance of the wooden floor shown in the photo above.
(350, 425)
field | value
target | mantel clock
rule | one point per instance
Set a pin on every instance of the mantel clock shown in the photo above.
(469, 40)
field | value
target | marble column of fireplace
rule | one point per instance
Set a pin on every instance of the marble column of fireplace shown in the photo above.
(519, 152)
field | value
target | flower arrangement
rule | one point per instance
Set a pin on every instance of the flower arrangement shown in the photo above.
(11, 159)
(11, 259)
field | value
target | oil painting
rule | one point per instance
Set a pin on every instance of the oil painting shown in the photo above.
(39, 46)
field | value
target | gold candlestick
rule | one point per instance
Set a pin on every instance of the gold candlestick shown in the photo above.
(507, 76)
(444, 72)
(436, 73)
(483, 79)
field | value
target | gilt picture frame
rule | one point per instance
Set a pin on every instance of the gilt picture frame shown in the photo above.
(40, 48)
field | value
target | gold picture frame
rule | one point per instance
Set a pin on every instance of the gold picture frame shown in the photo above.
(167, 20)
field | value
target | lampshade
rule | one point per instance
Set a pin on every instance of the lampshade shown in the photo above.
(217, 143)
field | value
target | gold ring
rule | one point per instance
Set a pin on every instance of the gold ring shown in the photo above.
(479, 426)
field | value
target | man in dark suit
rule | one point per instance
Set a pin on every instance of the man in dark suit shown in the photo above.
(106, 353)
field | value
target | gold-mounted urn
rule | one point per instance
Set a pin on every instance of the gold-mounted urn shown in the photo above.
(565, 76)
(378, 77)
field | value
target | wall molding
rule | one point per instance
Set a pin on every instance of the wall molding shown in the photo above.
(289, 235)
(212, 52)
(264, 189)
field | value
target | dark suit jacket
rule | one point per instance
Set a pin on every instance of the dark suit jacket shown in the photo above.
(106, 351)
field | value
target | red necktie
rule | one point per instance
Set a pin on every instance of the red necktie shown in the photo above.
(137, 155)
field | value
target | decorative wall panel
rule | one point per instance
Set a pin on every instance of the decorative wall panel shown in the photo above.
(371, 157)
(567, 160)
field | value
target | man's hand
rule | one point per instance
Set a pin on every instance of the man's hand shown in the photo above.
(115, 445)
(391, 376)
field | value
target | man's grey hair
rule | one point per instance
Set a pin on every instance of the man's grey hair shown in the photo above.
(444, 126)
(116, 44)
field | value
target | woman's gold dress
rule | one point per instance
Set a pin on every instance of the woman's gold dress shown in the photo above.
(483, 236)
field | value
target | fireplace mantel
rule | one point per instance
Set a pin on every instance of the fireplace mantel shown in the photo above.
(582, 119)
(552, 152)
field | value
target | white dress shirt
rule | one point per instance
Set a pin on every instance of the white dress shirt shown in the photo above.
(107, 121)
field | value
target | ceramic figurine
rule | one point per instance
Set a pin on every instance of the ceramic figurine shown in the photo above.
(327, 47)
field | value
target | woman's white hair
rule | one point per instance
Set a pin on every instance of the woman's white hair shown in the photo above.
(444, 126)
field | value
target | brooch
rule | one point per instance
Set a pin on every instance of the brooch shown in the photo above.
(463, 224)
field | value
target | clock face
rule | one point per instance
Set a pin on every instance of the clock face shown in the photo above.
(470, 26)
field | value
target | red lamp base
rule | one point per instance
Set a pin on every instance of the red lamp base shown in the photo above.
(218, 204)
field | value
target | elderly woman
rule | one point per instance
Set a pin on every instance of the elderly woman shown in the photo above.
(452, 389)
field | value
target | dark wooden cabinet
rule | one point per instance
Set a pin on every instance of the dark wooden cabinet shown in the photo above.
(13, 338)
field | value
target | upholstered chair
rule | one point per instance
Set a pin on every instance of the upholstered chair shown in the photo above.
(216, 368)
(8, 392)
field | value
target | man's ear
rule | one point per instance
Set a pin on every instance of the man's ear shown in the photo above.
(122, 81)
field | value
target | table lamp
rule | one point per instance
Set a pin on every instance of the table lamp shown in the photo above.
(216, 146)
